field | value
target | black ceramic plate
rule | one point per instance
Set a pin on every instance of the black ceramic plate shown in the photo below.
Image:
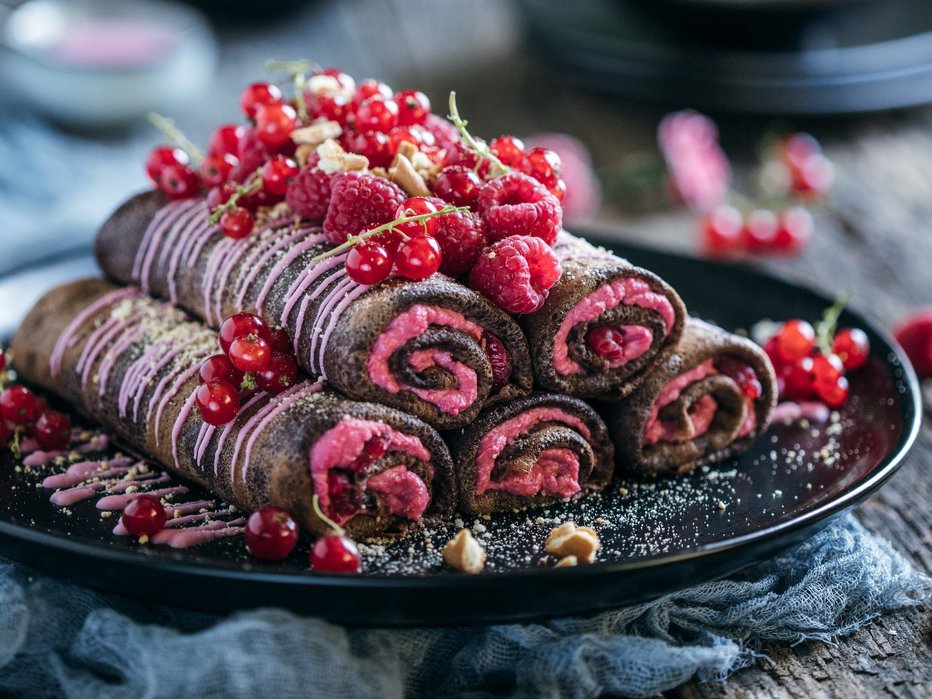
(658, 535)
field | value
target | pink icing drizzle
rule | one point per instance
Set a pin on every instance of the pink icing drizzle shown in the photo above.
(553, 473)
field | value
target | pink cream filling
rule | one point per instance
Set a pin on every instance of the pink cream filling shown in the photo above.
(701, 414)
(403, 491)
(407, 326)
(631, 292)
(556, 471)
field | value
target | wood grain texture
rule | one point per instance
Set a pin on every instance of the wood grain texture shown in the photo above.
(873, 236)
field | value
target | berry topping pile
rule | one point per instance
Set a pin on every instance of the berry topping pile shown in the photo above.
(254, 357)
(402, 190)
(811, 362)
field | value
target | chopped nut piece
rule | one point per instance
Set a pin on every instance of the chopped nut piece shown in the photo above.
(334, 159)
(303, 153)
(567, 562)
(403, 174)
(316, 133)
(570, 540)
(464, 553)
(379, 172)
(264, 214)
(407, 149)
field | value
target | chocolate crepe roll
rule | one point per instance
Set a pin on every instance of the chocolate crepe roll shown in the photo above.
(423, 347)
(706, 403)
(529, 452)
(131, 363)
(604, 326)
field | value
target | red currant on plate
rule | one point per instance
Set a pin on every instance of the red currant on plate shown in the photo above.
(418, 206)
(225, 140)
(53, 430)
(335, 553)
(834, 393)
(371, 88)
(797, 380)
(852, 347)
(508, 149)
(271, 533)
(250, 353)
(377, 114)
(179, 182)
(257, 95)
(216, 168)
(413, 107)
(760, 230)
(277, 174)
(218, 401)
(144, 515)
(274, 124)
(795, 340)
(161, 157)
(721, 230)
(219, 366)
(237, 223)
(418, 258)
(795, 230)
(543, 165)
(368, 263)
(18, 405)
(280, 374)
(241, 325)
(458, 185)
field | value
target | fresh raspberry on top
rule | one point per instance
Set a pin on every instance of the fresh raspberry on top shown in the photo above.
(516, 273)
(461, 239)
(445, 133)
(517, 204)
(309, 193)
(358, 200)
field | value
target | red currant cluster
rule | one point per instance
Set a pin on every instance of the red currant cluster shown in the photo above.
(272, 534)
(811, 362)
(914, 333)
(23, 413)
(254, 356)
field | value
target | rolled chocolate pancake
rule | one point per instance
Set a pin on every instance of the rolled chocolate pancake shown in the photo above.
(130, 363)
(600, 291)
(707, 402)
(529, 452)
(422, 347)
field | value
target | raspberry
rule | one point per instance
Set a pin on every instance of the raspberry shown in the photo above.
(516, 273)
(309, 194)
(516, 204)
(358, 200)
(444, 132)
(461, 239)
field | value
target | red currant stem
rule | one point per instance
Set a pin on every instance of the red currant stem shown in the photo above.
(355, 239)
(479, 150)
(14, 447)
(252, 185)
(175, 135)
(825, 328)
(329, 522)
(298, 71)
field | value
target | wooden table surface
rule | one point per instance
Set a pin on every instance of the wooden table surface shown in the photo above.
(875, 236)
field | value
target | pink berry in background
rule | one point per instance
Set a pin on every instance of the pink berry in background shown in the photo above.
(699, 171)
(583, 191)
(914, 333)
(721, 231)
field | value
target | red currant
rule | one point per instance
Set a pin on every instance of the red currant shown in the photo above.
(335, 553)
(795, 230)
(413, 107)
(795, 340)
(607, 342)
(218, 401)
(277, 174)
(418, 258)
(509, 150)
(377, 114)
(721, 230)
(218, 196)
(371, 88)
(833, 393)
(215, 170)
(368, 263)
(53, 430)
(219, 366)
(375, 145)
(543, 165)
(250, 353)
(257, 95)
(271, 534)
(242, 325)
(237, 223)
(18, 405)
(797, 379)
(344, 80)
(274, 124)
(558, 189)
(225, 140)
(417, 135)
(458, 185)
(852, 347)
(179, 182)
(333, 107)
(280, 374)
(826, 368)
(144, 515)
(418, 206)
(760, 230)
(279, 340)
(161, 157)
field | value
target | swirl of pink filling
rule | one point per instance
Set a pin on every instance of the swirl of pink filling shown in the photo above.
(556, 471)
(701, 413)
(409, 325)
(637, 339)
(340, 457)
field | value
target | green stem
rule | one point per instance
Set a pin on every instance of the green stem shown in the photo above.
(298, 71)
(315, 503)
(825, 328)
(479, 149)
(175, 135)
(252, 185)
(353, 240)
